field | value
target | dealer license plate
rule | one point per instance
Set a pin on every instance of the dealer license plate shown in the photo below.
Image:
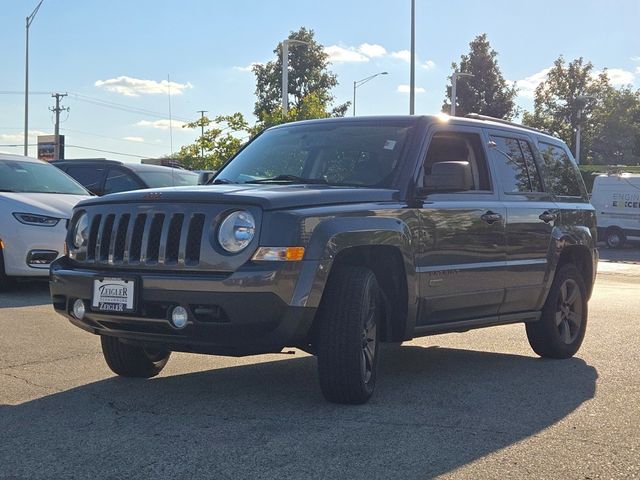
(113, 295)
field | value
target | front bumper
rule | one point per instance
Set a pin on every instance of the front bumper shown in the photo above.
(247, 312)
(20, 240)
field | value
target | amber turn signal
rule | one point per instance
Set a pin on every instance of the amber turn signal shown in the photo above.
(279, 254)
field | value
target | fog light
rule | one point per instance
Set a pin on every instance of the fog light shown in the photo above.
(179, 317)
(78, 309)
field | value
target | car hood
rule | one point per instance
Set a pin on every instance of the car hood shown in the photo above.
(269, 197)
(53, 204)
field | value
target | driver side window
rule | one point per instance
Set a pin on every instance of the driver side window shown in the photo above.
(459, 147)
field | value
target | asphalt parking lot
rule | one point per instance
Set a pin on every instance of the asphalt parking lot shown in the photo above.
(473, 405)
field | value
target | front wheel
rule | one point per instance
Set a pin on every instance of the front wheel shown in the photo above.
(615, 238)
(348, 336)
(560, 330)
(132, 361)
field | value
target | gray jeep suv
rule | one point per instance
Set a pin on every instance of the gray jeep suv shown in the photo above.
(333, 236)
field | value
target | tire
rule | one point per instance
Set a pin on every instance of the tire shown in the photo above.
(5, 281)
(560, 330)
(615, 237)
(131, 361)
(348, 336)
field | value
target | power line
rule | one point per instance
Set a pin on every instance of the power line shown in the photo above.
(106, 151)
(123, 107)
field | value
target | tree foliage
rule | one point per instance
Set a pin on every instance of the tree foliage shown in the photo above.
(573, 93)
(308, 76)
(223, 137)
(310, 84)
(487, 92)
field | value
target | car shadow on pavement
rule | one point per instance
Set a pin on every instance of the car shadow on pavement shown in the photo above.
(435, 409)
(25, 294)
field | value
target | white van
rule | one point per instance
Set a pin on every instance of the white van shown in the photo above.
(617, 202)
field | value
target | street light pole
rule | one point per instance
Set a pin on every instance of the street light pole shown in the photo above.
(454, 92)
(285, 71)
(28, 21)
(358, 83)
(202, 112)
(412, 75)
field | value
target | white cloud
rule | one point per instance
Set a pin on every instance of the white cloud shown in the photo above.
(372, 50)
(618, 76)
(133, 87)
(160, 124)
(429, 65)
(340, 54)
(19, 137)
(527, 86)
(404, 55)
(134, 139)
(248, 68)
(635, 59)
(407, 89)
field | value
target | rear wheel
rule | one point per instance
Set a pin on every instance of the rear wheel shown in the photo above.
(560, 330)
(615, 237)
(348, 336)
(132, 361)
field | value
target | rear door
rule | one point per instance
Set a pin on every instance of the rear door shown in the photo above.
(530, 218)
(461, 251)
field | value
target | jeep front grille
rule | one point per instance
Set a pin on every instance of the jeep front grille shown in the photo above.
(145, 239)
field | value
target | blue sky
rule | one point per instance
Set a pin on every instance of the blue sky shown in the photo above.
(121, 52)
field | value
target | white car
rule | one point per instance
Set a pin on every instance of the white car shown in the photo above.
(36, 200)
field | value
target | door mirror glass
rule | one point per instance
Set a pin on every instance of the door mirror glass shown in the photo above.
(454, 176)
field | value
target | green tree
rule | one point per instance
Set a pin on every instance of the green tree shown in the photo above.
(616, 121)
(309, 86)
(569, 95)
(487, 92)
(220, 142)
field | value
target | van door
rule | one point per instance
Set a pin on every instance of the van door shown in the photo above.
(462, 250)
(531, 215)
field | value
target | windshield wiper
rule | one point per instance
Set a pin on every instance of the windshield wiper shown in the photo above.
(290, 179)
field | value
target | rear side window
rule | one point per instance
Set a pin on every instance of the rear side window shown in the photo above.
(515, 165)
(120, 181)
(90, 177)
(561, 173)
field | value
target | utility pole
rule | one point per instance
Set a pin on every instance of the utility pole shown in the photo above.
(57, 109)
(202, 112)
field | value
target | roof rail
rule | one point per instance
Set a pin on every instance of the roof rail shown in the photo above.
(477, 116)
(89, 160)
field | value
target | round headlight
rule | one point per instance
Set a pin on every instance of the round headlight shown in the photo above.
(236, 231)
(81, 231)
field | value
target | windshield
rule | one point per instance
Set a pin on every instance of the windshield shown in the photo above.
(336, 154)
(36, 177)
(177, 178)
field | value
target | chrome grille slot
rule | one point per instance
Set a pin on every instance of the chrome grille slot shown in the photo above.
(153, 244)
(104, 238)
(93, 237)
(121, 235)
(173, 239)
(194, 239)
(136, 238)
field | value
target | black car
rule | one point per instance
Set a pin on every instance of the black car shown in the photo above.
(102, 177)
(334, 235)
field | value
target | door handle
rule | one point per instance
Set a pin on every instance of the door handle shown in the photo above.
(548, 216)
(491, 217)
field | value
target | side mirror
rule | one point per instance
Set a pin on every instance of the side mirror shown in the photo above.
(449, 177)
